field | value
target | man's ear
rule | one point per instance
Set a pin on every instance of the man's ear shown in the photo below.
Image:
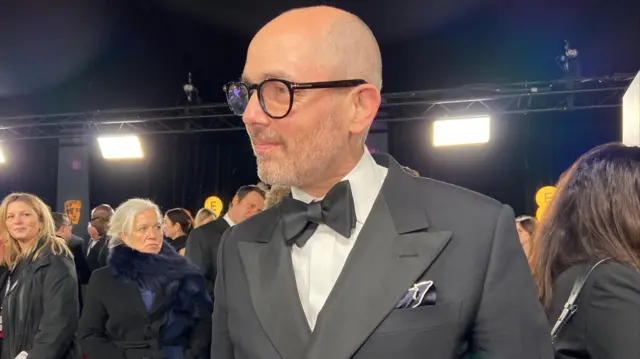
(234, 201)
(366, 102)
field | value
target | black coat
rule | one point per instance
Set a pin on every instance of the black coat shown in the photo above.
(607, 323)
(40, 310)
(82, 267)
(83, 273)
(202, 249)
(115, 322)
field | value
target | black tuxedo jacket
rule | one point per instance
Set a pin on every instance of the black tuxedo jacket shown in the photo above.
(97, 256)
(607, 323)
(76, 245)
(418, 229)
(202, 248)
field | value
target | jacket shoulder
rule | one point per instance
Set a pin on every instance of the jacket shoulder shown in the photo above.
(47, 257)
(217, 226)
(471, 216)
(457, 195)
(610, 273)
(258, 226)
(101, 275)
(449, 206)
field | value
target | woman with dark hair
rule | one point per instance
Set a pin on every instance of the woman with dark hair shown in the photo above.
(177, 225)
(595, 215)
(526, 227)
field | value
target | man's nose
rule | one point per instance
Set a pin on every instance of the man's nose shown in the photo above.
(253, 114)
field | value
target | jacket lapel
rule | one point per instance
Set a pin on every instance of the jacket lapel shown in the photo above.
(272, 287)
(392, 251)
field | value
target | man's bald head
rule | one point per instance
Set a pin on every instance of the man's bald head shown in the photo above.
(103, 208)
(100, 217)
(344, 46)
(312, 52)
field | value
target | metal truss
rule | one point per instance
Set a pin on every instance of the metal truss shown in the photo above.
(206, 118)
(510, 99)
(483, 99)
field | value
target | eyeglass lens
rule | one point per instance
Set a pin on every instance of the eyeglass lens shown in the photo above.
(274, 97)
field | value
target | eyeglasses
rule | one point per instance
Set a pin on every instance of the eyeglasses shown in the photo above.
(275, 95)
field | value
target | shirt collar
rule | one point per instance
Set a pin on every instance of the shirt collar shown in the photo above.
(228, 219)
(366, 180)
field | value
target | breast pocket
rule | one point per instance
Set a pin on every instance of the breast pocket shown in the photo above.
(421, 318)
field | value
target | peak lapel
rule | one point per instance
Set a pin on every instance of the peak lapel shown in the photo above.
(272, 286)
(392, 251)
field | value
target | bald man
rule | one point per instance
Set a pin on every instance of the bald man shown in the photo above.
(98, 249)
(363, 260)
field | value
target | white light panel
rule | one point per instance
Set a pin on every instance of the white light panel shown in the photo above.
(123, 147)
(461, 131)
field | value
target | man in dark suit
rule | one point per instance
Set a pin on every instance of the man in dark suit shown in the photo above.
(364, 260)
(203, 242)
(76, 244)
(98, 250)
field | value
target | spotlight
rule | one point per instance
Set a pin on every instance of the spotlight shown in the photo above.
(123, 147)
(461, 131)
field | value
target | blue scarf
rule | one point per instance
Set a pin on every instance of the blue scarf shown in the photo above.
(166, 272)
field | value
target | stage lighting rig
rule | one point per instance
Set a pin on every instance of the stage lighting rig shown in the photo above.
(191, 91)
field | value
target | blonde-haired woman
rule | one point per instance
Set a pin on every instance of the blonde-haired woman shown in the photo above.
(40, 305)
(149, 301)
(204, 215)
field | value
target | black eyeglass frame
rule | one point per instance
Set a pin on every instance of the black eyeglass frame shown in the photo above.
(291, 86)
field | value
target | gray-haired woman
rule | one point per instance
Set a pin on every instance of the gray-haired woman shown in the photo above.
(149, 301)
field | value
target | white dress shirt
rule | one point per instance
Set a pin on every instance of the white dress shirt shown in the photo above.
(318, 264)
(228, 219)
(92, 243)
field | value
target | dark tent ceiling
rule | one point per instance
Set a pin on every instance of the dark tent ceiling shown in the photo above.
(390, 20)
(73, 55)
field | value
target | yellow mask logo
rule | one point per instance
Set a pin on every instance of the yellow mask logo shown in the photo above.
(73, 209)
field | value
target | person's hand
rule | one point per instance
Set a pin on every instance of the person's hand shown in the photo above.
(93, 232)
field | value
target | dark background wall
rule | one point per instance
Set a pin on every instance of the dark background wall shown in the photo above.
(78, 55)
(525, 153)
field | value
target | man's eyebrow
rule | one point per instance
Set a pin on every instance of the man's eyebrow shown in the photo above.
(268, 75)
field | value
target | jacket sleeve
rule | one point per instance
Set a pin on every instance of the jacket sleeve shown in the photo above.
(510, 322)
(103, 256)
(82, 268)
(612, 313)
(59, 321)
(91, 332)
(194, 250)
(197, 252)
(200, 336)
(221, 346)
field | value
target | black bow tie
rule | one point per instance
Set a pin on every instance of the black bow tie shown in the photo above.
(336, 210)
